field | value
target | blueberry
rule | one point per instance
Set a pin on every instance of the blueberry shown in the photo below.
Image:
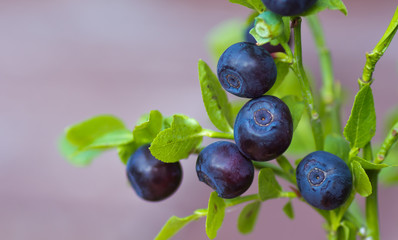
(263, 128)
(324, 180)
(288, 7)
(246, 70)
(152, 180)
(221, 166)
(269, 47)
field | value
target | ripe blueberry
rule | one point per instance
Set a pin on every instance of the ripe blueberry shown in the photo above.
(221, 166)
(324, 180)
(288, 7)
(263, 128)
(270, 48)
(246, 70)
(152, 180)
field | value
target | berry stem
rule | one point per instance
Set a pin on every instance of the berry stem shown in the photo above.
(329, 94)
(239, 200)
(391, 138)
(214, 134)
(298, 69)
(277, 170)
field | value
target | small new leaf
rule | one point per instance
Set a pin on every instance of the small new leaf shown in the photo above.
(146, 131)
(321, 5)
(361, 179)
(215, 215)
(248, 217)
(296, 107)
(361, 125)
(268, 185)
(86, 132)
(112, 139)
(288, 210)
(369, 165)
(175, 224)
(125, 151)
(178, 141)
(215, 99)
(79, 158)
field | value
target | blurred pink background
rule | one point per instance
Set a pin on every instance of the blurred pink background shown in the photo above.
(64, 61)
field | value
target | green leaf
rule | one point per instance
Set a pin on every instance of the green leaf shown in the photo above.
(285, 165)
(301, 144)
(86, 132)
(385, 41)
(167, 121)
(75, 156)
(178, 141)
(125, 151)
(236, 106)
(361, 179)
(337, 145)
(112, 139)
(369, 165)
(215, 215)
(147, 131)
(224, 35)
(175, 224)
(268, 185)
(248, 217)
(361, 125)
(215, 99)
(296, 107)
(288, 210)
(321, 5)
(282, 69)
(285, 85)
(252, 4)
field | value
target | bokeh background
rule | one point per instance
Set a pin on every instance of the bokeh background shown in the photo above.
(67, 60)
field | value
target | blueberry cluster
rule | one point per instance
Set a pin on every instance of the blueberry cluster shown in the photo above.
(263, 127)
(263, 131)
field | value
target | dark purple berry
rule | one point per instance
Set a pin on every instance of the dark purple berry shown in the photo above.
(263, 128)
(324, 180)
(152, 180)
(246, 70)
(288, 7)
(222, 167)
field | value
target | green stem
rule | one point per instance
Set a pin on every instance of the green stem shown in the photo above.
(287, 195)
(390, 140)
(371, 206)
(239, 200)
(328, 91)
(305, 86)
(287, 167)
(373, 57)
(214, 134)
(372, 213)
